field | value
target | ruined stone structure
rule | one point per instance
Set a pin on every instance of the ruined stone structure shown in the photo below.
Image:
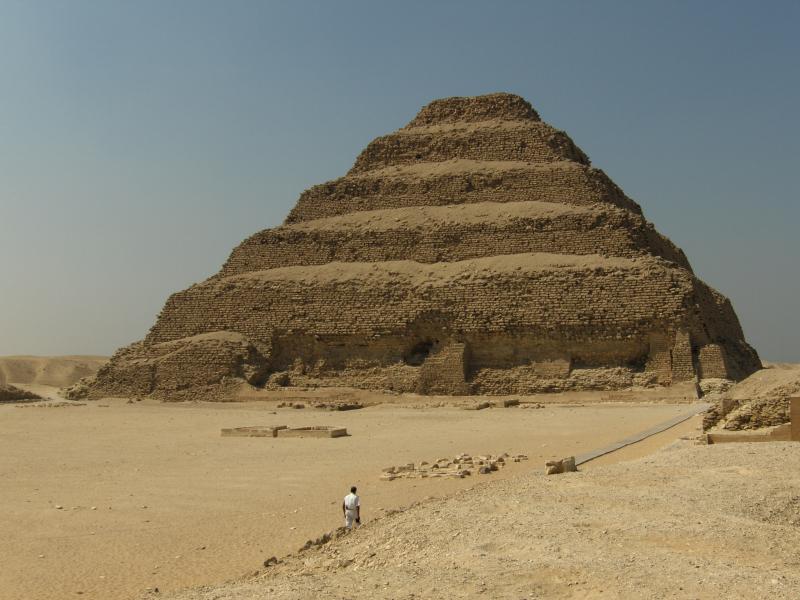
(475, 250)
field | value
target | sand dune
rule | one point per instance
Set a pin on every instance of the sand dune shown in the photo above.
(57, 371)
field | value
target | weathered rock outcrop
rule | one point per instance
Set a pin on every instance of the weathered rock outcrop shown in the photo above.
(473, 251)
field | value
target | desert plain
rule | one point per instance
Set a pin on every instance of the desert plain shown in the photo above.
(110, 498)
(120, 497)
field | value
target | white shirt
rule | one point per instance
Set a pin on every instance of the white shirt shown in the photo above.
(351, 502)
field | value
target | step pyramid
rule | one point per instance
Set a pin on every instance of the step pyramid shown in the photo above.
(473, 251)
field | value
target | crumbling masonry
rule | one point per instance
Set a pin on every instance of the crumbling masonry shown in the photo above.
(473, 251)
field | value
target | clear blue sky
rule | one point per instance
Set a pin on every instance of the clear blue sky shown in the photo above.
(141, 141)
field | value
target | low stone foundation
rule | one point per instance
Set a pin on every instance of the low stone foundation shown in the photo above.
(319, 431)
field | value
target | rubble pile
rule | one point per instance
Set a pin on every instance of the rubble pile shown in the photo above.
(460, 466)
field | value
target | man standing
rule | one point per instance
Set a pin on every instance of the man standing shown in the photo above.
(351, 509)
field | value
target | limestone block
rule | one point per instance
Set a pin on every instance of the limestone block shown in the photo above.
(565, 465)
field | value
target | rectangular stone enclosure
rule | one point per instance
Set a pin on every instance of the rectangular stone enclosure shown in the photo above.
(323, 431)
(256, 431)
(319, 431)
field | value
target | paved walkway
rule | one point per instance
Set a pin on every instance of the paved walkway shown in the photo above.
(693, 410)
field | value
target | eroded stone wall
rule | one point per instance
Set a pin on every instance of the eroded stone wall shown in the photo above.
(529, 142)
(559, 301)
(380, 236)
(458, 183)
(445, 371)
(712, 363)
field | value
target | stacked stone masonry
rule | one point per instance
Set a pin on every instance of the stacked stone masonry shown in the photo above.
(453, 233)
(529, 142)
(445, 371)
(472, 251)
(461, 182)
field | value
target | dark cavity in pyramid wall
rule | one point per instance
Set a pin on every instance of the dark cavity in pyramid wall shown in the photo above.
(473, 251)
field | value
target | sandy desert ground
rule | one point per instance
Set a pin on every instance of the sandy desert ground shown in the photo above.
(106, 499)
(109, 499)
(700, 522)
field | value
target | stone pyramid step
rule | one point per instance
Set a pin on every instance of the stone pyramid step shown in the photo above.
(529, 141)
(432, 234)
(460, 181)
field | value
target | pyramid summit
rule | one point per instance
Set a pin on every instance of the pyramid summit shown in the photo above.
(473, 251)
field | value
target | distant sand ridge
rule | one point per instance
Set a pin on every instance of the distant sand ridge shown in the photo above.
(474, 251)
(56, 371)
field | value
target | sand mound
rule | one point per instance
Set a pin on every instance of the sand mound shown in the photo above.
(642, 529)
(56, 371)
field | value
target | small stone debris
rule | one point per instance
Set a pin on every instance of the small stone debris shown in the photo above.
(565, 465)
(479, 406)
(272, 560)
(297, 405)
(324, 539)
(460, 466)
(533, 405)
(51, 405)
(333, 405)
(510, 402)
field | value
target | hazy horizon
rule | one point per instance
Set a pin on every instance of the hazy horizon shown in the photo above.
(141, 142)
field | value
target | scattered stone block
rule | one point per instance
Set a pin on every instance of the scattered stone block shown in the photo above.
(565, 465)
(461, 466)
(478, 406)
